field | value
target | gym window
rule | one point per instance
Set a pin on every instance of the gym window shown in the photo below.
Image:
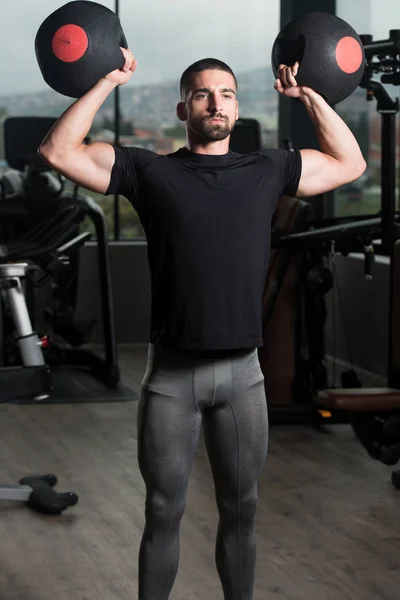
(363, 196)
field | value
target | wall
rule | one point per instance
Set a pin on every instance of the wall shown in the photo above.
(362, 323)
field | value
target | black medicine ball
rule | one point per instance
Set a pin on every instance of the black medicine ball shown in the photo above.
(77, 45)
(330, 53)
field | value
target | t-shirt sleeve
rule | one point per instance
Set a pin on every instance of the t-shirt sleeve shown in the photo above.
(127, 172)
(292, 172)
(289, 166)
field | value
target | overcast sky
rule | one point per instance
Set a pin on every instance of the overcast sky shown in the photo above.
(167, 35)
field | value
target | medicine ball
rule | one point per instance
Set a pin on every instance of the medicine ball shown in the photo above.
(77, 45)
(330, 54)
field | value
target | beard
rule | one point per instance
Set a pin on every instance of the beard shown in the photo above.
(212, 132)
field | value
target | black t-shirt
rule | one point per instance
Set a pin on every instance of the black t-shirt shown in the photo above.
(207, 220)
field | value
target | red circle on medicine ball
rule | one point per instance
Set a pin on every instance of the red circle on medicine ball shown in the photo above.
(348, 54)
(69, 43)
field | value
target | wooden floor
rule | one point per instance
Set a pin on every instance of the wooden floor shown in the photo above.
(328, 523)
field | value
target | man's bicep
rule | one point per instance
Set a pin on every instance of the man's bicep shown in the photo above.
(97, 161)
(322, 173)
(87, 166)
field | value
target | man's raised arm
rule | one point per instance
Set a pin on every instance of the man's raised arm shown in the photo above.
(88, 165)
(340, 160)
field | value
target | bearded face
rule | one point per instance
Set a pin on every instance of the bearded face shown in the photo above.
(211, 128)
(211, 108)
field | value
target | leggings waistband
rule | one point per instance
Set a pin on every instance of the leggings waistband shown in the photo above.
(207, 354)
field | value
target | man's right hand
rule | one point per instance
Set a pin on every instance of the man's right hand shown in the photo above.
(123, 75)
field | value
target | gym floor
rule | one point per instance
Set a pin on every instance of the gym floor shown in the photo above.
(327, 522)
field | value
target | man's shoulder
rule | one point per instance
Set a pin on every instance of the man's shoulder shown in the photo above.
(139, 151)
(265, 155)
(138, 157)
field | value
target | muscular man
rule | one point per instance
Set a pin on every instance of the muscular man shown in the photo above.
(207, 215)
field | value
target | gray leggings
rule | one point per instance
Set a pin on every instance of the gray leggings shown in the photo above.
(226, 394)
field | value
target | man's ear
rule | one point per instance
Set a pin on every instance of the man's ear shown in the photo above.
(181, 111)
(237, 110)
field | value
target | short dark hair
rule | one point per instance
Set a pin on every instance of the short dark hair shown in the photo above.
(202, 65)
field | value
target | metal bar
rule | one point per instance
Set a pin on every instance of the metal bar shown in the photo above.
(117, 229)
(20, 493)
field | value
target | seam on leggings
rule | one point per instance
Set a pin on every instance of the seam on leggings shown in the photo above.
(169, 526)
(214, 391)
(225, 579)
(238, 497)
(193, 391)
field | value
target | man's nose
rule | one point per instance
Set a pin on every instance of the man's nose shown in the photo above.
(215, 103)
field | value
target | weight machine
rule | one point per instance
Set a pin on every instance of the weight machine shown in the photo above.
(373, 413)
(40, 232)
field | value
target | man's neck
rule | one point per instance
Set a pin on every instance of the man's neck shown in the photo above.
(220, 147)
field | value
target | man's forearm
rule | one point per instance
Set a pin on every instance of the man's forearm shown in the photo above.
(334, 136)
(74, 124)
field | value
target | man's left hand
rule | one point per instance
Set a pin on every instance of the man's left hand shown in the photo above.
(286, 83)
